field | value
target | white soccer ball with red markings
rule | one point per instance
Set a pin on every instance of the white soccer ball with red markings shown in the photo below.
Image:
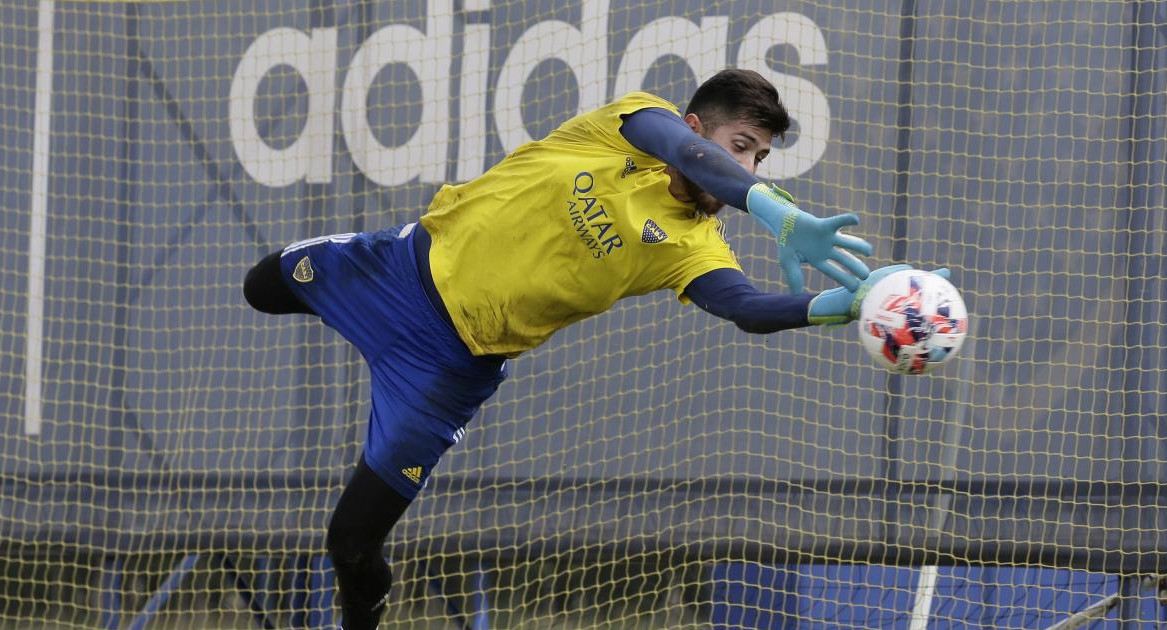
(912, 321)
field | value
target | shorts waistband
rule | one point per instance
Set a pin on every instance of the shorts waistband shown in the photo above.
(421, 251)
(421, 254)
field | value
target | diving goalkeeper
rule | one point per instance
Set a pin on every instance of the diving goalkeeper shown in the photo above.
(616, 202)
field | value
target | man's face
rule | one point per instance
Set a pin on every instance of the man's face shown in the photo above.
(748, 144)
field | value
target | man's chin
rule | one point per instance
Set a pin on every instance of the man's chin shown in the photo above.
(709, 205)
(705, 203)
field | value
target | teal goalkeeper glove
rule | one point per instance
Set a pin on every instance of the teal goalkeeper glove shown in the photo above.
(805, 238)
(838, 306)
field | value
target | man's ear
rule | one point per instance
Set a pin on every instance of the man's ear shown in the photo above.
(695, 123)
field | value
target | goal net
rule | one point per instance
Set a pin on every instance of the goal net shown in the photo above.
(170, 456)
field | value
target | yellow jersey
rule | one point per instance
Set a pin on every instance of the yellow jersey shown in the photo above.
(560, 230)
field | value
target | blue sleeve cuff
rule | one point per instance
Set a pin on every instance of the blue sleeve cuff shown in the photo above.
(728, 294)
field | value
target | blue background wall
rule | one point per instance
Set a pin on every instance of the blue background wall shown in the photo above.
(1020, 144)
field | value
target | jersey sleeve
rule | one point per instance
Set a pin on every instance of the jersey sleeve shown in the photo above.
(705, 250)
(730, 295)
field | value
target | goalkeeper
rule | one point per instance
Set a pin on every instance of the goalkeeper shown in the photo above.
(616, 202)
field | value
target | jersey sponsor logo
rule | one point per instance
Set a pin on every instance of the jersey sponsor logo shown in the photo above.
(652, 233)
(590, 219)
(459, 434)
(303, 271)
(629, 168)
(412, 473)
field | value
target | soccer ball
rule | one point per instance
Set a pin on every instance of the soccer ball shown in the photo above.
(912, 321)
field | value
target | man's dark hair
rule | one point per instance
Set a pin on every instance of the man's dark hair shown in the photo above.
(735, 94)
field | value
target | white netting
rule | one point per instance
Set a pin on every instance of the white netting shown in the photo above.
(651, 467)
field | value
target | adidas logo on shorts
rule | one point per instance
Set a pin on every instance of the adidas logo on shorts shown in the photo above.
(413, 473)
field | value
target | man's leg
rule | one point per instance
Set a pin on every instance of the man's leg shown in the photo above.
(367, 510)
(265, 289)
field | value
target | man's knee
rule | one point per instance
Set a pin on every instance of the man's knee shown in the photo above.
(362, 573)
(349, 546)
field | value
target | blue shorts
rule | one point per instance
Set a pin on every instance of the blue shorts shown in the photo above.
(426, 384)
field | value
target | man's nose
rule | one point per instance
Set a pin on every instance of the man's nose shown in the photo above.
(749, 164)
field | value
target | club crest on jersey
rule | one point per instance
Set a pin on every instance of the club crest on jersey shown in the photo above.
(303, 272)
(652, 233)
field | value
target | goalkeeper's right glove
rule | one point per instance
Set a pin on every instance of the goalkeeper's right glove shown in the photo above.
(835, 307)
(805, 238)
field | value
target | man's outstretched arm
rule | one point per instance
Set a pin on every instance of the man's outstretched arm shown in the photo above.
(801, 237)
(661, 134)
(728, 294)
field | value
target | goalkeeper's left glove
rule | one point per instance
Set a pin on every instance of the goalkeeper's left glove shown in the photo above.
(838, 306)
(805, 238)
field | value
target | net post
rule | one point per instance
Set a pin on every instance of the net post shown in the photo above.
(321, 589)
(254, 603)
(112, 579)
(481, 599)
(164, 592)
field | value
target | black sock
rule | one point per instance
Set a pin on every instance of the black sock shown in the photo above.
(367, 510)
